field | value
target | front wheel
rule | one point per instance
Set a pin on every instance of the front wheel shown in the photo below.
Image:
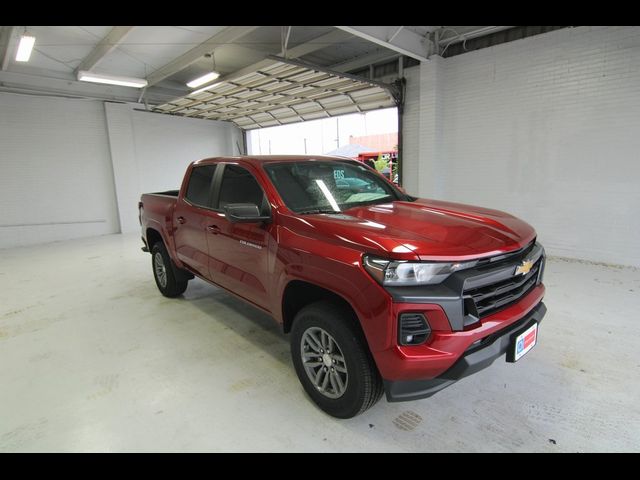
(332, 360)
(163, 272)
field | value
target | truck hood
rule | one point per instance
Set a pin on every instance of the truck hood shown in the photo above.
(426, 229)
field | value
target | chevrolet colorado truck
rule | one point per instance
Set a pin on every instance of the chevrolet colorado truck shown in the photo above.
(381, 292)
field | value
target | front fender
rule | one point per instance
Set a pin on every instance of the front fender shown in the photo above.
(350, 282)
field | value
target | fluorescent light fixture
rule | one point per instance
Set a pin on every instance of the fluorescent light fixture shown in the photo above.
(207, 77)
(200, 90)
(24, 48)
(85, 76)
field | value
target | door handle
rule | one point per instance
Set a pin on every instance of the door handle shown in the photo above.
(180, 219)
(214, 229)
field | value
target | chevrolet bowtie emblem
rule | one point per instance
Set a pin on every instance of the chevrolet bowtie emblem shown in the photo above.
(524, 267)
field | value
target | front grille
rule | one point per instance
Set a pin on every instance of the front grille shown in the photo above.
(489, 299)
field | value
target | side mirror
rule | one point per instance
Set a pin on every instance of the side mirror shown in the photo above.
(244, 213)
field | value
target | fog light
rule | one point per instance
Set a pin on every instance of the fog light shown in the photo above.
(413, 329)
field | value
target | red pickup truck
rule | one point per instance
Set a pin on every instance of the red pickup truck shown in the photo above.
(382, 292)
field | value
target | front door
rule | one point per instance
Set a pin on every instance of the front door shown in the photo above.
(239, 251)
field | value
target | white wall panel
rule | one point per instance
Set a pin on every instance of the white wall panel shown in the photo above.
(56, 180)
(151, 152)
(62, 162)
(546, 128)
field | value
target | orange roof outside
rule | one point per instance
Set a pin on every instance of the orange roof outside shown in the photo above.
(382, 142)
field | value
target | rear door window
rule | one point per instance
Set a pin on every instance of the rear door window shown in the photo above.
(199, 188)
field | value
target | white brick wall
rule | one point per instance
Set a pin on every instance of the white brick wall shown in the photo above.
(151, 152)
(547, 128)
(62, 161)
(411, 131)
(55, 171)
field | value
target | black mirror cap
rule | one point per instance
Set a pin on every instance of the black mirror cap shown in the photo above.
(244, 213)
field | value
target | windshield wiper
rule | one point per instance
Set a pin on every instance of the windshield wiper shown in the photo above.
(375, 201)
(316, 210)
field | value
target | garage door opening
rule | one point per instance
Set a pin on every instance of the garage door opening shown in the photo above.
(370, 137)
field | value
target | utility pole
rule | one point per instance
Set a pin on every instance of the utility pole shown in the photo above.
(337, 132)
(305, 146)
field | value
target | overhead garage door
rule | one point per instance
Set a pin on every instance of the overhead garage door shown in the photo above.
(282, 92)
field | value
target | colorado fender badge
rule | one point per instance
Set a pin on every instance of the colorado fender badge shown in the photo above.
(249, 244)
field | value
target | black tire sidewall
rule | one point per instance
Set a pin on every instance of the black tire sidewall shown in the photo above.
(173, 287)
(359, 365)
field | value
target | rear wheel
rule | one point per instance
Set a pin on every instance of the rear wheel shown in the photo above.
(332, 360)
(163, 272)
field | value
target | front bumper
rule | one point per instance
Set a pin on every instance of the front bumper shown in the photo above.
(478, 356)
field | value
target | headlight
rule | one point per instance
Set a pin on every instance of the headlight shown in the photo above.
(402, 273)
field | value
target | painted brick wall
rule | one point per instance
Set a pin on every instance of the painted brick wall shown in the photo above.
(70, 169)
(56, 181)
(151, 152)
(547, 128)
(411, 132)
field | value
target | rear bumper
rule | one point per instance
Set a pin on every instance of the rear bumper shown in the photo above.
(478, 356)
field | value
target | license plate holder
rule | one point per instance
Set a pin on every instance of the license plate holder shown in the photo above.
(522, 343)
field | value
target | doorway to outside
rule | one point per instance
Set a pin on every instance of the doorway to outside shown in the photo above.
(370, 137)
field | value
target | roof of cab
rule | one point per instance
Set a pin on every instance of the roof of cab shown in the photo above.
(259, 159)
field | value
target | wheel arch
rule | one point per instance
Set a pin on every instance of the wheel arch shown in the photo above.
(299, 293)
(152, 237)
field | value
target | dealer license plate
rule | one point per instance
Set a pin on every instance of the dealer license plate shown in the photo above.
(525, 342)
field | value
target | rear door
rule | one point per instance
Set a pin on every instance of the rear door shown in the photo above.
(239, 251)
(192, 217)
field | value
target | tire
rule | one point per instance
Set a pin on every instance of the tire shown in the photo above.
(163, 272)
(354, 384)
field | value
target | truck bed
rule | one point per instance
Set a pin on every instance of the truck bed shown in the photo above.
(168, 193)
(156, 211)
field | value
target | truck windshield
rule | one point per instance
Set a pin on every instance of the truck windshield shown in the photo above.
(329, 186)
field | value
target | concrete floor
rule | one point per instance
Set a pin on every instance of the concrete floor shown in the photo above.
(93, 358)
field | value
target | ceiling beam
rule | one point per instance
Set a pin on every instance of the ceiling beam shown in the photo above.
(104, 46)
(364, 61)
(228, 35)
(396, 38)
(318, 43)
(5, 39)
(455, 37)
